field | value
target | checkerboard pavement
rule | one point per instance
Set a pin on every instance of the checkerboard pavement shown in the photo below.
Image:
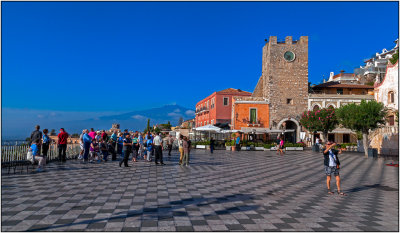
(225, 191)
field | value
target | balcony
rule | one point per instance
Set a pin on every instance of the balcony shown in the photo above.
(254, 123)
(201, 110)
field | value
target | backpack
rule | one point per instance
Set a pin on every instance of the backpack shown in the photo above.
(149, 142)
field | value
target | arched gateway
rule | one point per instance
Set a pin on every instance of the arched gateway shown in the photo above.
(290, 128)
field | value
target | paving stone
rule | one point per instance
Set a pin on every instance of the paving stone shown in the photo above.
(228, 191)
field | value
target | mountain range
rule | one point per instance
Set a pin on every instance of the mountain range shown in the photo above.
(137, 120)
(19, 123)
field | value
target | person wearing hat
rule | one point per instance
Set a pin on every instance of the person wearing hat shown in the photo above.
(331, 163)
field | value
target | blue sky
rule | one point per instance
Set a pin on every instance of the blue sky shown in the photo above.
(123, 56)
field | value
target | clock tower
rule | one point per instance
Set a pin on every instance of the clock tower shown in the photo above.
(284, 83)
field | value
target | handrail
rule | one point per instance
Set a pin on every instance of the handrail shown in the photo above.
(15, 153)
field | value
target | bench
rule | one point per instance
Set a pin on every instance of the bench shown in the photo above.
(15, 164)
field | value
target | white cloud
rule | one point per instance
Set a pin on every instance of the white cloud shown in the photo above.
(138, 117)
(190, 113)
(177, 110)
(40, 116)
(174, 114)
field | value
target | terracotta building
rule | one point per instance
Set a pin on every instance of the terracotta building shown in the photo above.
(217, 107)
(250, 114)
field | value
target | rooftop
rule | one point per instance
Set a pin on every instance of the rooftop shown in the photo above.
(339, 85)
(233, 91)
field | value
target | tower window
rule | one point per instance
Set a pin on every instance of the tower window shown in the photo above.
(339, 91)
(289, 101)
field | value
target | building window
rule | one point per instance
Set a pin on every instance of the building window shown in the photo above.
(339, 91)
(391, 120)
(316, 107)
(226, 101)
(289, 101)
(346, 138)
(253, 115)
(391, 97)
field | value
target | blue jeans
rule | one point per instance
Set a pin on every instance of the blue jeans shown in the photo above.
(105, 154)
(86, 147)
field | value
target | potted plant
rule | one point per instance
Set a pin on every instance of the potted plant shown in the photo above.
(289, 146)
(268, 146)
(228, 145)
(259, 146)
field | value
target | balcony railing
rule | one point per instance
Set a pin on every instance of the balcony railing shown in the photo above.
(203, 109)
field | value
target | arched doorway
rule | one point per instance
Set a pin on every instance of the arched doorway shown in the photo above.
(291, 128)
(290, 131)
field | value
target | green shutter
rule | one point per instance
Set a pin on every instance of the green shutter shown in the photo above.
(253, 115)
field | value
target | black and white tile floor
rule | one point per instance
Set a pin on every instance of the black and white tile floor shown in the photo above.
(226, 191)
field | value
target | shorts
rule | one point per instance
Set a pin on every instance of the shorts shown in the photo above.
(331, 170)
(82, 147)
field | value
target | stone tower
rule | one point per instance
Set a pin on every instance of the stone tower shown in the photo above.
(284, 81)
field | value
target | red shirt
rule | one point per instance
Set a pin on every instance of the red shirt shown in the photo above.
(62, 138)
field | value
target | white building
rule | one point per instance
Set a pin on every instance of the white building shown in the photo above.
(386, 139)
(375, 67)
(335, 94)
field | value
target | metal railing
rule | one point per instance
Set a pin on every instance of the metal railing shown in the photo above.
(18, 153)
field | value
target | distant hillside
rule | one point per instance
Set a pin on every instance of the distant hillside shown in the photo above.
(137, 120)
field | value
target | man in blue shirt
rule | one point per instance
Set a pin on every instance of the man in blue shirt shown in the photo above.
(238, 143)
(87, 140)
(36, 157)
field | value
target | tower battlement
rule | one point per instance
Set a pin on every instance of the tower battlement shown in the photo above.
(288, 40)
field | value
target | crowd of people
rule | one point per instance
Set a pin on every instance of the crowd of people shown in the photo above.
(97, 146)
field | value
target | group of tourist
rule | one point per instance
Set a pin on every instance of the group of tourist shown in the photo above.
(96, 146)
(40, 144)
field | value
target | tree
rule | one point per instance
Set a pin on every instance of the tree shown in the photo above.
(148, 125)
(363, 117)
(395, 57)
(320, 120)
(180, 121)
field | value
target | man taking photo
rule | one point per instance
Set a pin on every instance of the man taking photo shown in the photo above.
(331, 162)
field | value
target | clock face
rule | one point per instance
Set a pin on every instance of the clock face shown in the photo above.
(289, 56)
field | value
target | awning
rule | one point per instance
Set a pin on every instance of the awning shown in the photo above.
(253, 130)
(230, 131)
(208, 128)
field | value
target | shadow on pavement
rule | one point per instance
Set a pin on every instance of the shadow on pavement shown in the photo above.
(169, 208)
